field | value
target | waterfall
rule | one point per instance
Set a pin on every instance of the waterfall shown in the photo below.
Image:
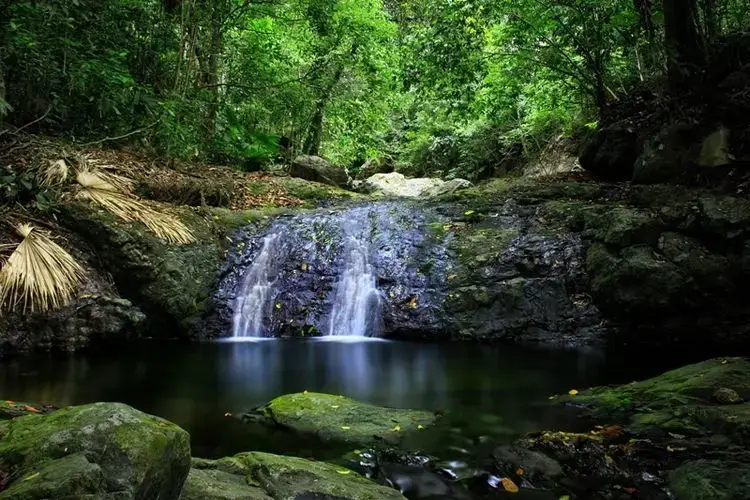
(253, 301)
(356, 305)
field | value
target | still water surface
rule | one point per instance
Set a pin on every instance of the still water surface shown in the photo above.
(196, 385)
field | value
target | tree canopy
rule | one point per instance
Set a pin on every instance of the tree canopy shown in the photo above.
(451, 87)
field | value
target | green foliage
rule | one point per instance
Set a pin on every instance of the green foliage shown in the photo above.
(458, 88)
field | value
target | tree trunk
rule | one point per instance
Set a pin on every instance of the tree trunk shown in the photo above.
(684, 48)
(709, 15)
(315, 132)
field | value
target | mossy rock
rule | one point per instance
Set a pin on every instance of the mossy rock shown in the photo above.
(679, 401)
(621, 226)
(711, 480)
(635, 281)
(339, 419)
(103, 450)
(261, 476)
(173, 284)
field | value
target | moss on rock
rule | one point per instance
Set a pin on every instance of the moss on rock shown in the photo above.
(95, 449)
(343, 420)
(263, 476)
(679, 401)
(711, 480)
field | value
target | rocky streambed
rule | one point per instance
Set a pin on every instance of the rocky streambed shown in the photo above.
(680, 435)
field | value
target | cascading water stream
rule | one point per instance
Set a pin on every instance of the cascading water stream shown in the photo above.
(335, 274)
(356, 306)
(253, 301)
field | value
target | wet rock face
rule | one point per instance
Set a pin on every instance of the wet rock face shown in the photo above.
(440, 273)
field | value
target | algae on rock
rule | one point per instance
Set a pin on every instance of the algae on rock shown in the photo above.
(99, 449)
(264, 476)
(342, 420)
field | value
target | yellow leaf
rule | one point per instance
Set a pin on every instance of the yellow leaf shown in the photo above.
(413, 303)
(573, 392)
(509, 485)
(420, 427)
(344, 472)
(552, 397)
(519, 472)
(304, 267)
(36, 474)
(565, 497)
(452, 277)
(396, 429)
(304, 392)
(335, 407)
(469, 212)
(345, 427)
(31, 409)
(356, 452)
(278, 306)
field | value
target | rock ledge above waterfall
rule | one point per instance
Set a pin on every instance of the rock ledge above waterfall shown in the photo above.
(397, 185)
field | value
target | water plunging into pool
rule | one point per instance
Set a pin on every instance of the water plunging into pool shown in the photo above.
(356, 306)
(253, 302)
(314, 273)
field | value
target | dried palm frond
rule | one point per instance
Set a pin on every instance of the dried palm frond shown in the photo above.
(56, 172)
(96, 188)
(39, 275)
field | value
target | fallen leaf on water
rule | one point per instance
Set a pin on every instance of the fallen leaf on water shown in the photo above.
(344, 472)
(573, 392)
(519, 471)
(452, 277)
(278, 306)
(345, 427)
(304, 267)
(469, 212)
(396, 429)
(420, 427)
(413, 303)
(509, 485)
(31, 409)
(227, 414)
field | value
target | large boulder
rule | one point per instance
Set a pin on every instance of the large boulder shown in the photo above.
(397, 185)
(342, 420)
(261, 476)
(375, 166)
(94, 451)
(316, 169)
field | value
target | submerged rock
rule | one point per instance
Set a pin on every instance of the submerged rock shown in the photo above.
(342, 420)
(99, 450)
(263, 476)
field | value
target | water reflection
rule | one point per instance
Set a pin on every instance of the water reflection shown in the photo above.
(195, 385)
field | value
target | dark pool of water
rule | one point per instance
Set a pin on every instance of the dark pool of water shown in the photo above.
(196, 385)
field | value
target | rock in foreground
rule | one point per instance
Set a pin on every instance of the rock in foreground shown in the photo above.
(683, 435)
(262, 476)
(343, 420)
(95, 451)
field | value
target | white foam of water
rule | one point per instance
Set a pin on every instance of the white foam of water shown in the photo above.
(356, 305)
(254, 299)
